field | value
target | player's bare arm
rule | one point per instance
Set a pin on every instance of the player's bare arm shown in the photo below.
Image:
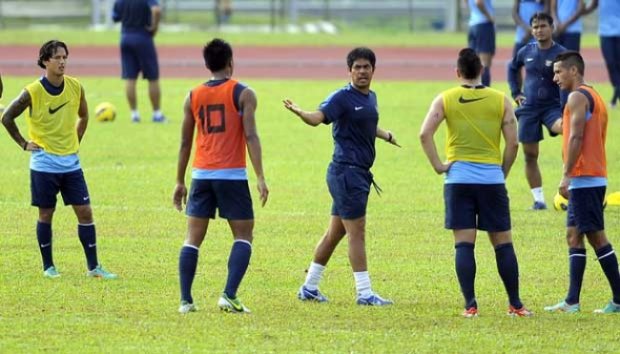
(311, 118)
(187, 135)
(248, 104)
(388, 136)
(433, 119)
(483, 8)
(518, 21)
(14, 110)
(578, 105)
(82, 121)
(509, 131)
(155, 17)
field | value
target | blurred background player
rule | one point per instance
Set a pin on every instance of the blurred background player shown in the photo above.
(584, 181)
(223, 11)
(140, 21)
(522, 11)
(475, 193)
(57, 117)
(538, 99)
(353, 113)
(481, 36)
(609, 34)
(568, 23)
(221, 111)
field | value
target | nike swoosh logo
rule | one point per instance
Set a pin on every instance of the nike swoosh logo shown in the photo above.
(358, 108)
(46, 245)
(54, 110)
(91, 245)
(470, 100)
(529, 59)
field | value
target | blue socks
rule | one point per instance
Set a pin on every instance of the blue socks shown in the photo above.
(607, 258)
(486, 76)
(44, 237)
(508, 269)
(238, 262)
(188, 260)
(465, 263)
(576, 266)
(88, 238)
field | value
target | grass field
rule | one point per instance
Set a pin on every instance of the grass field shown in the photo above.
(131, 173)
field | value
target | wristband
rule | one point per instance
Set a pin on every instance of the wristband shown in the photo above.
(389, 139)
(25, 146)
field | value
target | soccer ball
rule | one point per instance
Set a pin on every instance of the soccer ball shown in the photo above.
(105, 112)
(560, 203)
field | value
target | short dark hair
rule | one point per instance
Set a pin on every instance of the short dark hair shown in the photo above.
(48, 49)
(361, 53)
(469, 64)
(541, 16)
(217, 54)
(571, 58)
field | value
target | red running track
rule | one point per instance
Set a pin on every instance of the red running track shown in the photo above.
(393, 63)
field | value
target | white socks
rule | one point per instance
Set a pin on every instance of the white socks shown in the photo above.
(538, 195)
(135, 114)
(362, 284)
(315, 272)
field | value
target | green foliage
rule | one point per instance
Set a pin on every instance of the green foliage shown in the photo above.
(347, 37)
(131, 171)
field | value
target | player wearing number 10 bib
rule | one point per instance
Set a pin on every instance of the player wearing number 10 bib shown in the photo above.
(221, 112)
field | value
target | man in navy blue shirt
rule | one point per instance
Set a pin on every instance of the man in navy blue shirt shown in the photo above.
(538, 100)
(140, 21)
(354, 115)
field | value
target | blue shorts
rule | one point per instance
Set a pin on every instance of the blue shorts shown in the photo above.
(570, 41)
(138, 54)
(585, 209)
(531, 119)
(481, 38)
(231, 198)
(477, 206)
(44, 187)
(349, 187)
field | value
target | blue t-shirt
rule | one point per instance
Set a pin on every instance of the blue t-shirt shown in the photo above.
(355, 116)
(476, 17)
(134, 15)
(527, 9)
(474, 173)
(538, 87)
(565, 10)
(609, 18)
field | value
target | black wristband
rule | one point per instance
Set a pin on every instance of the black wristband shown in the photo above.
(389, 139)
(25, 145)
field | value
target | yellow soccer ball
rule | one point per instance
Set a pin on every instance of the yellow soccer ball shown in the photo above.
(560, 203)
(105, 112)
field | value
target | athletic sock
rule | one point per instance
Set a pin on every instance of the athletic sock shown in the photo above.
(238, 262)
(508, 268)
(44, 237)
(88, 238)
(607, 258)
(135, 114)
(315, 273)
(362, 284)
(538, 194)
(188, 260)
(486, 76)
(576, 266)
(465, 263)
(157, 114)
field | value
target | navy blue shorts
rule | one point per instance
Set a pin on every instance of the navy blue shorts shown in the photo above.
(44, 187)
(231, 198)
(570, 41)
(349, 187)
(531, 119)
(138, 54)
(481, 38)
(585, 209)
(477, 206)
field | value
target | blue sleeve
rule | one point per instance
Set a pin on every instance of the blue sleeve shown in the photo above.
(513, 72)
(332, 108)
(116, 14)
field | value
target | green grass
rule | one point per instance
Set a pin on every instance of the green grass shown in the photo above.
(348, 37)
(131, 172)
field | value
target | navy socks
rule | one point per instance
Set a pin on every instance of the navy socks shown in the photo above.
(238, 262)
(44, 237)
(88, 238)
(577, 266)
(465, 263)
(607, 258)
(188, 260)
(508, 269)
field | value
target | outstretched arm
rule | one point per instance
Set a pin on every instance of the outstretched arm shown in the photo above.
(248, 103)
(187, 135)
(433, 119)
(15, 109)
(311, 118)
(509, 131)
